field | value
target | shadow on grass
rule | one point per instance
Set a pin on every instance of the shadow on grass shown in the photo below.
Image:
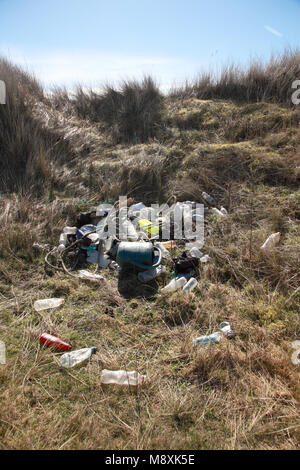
(130, 287)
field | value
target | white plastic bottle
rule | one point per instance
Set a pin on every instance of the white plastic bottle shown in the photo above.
(190, 285)
(2, 353)
(46, 304)
(217, 212)
(271, 241)
(122, 377)
(76, 358)
(151, 274)
(205, 340)
(175, 284)
(195, 253)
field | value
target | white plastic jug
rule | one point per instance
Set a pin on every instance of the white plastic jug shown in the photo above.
(122, 377)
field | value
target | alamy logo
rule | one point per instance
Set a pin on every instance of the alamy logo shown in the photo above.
(2, 92)
(296, 94)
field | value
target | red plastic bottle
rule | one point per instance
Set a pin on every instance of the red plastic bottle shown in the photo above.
(50, 340)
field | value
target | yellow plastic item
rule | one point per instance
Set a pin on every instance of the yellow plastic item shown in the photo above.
(146, 226)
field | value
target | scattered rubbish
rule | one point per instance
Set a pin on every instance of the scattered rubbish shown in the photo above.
(2, 353)
(296, 354)
(218, 212)
(114, 265)
(207, 198)
(52, 341)
(147, 226)
(175, 284)
(195, 253)
(139, 254)
(151, 274)
(226, 330)
(224, 211)
(271, 242)
(185, 263)
(86, 275)
(187, 274)
(76, 358)
(122, 377)
(47, 304)
(205, 259)
(205, 340)
(70, 230)
(190, 285)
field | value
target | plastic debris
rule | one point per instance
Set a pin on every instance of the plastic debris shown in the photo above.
(190, 285)
(122, 377)
(53, 341)
(226, 330)
(76, 358)
(195, 253)
(47, 304)
(296, 354)
(207, 198)
(86, 275)
(271, 242)
(175, 284)
(151, 274)
(205, 259)
(205, 340)
(2, 353)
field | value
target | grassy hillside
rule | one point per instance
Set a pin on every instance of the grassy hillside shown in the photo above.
(62, 155)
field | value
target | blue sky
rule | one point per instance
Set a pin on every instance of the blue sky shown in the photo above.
(66, 42)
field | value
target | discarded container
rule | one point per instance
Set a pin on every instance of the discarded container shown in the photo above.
(122, 377)
(2, 353)
(90, 276)
(46, 304)
(70, 230)
(296, 354)
(195, 253)
(94, 257)
(175, 284)
(115, 266)
(224, 211)
(76, 358)
(205, 259)
(127, 230)
(63, 239)
(226, 330)
(190, 285)
(205, 340)
(271, 241)
(52, 341)
(151, 274)
(187, 275)
(208, 199)
(217, 212)
(139, 254)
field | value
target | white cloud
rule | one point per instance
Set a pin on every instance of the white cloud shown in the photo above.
(273, 31)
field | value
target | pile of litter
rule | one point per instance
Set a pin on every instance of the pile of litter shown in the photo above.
(133, 235)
